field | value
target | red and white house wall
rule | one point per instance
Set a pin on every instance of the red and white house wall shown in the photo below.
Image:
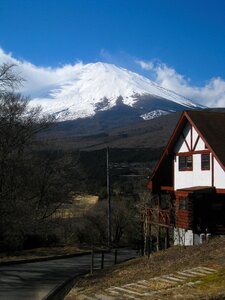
(191, 169)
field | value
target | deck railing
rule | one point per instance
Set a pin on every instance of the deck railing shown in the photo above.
(156, 216)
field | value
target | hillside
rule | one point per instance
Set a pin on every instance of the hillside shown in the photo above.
(171, 261)
(91, 135)
(97, 133)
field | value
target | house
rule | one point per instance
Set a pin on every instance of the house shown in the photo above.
(191, 174)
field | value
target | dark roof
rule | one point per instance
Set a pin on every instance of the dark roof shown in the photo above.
(211, 125)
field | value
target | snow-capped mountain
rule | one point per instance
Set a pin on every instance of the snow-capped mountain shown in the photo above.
(98, 87)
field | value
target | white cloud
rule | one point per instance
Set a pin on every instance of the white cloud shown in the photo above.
(145, 65)
(211, 94)
(40, 80)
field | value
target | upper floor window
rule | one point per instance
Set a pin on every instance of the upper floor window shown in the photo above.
(185, 163)
(205, 161)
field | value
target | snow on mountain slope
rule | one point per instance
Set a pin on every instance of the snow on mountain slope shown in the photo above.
(97, 87)
(154, 114)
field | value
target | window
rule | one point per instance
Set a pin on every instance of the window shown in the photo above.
(183, 203)
(185, 163)
(205, 161)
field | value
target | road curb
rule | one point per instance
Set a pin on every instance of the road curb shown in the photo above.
(40, 259)
(59, 292)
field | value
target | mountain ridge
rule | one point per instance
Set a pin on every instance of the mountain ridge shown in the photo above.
(100, 87)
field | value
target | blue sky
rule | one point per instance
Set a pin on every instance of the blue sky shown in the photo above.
(186, 36)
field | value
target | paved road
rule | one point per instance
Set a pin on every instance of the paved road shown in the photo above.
(33, 281)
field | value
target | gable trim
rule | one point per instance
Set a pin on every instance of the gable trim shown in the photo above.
(196, 142)
(191, 138)
(192, 152)
(186, 143)
(166, 150)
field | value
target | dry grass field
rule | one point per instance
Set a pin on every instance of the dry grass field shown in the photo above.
(79, 205)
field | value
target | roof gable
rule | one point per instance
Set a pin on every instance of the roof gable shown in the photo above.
(209, 125)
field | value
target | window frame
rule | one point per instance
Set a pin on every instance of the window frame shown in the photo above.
(205, 168)
(185, 167)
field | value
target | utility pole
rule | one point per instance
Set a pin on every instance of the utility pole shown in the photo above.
(109, 199)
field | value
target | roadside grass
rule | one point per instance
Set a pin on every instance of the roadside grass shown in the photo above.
(211, 287)
(165, 262)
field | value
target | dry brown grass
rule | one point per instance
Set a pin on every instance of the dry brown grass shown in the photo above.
(80, 204)
(174, 259)
(211, 287)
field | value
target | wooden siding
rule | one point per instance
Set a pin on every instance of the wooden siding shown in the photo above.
(184, 217)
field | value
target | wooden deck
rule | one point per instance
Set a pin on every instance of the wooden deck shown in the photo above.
(156, 217)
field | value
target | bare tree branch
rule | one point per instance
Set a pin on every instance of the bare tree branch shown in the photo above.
(8, 78)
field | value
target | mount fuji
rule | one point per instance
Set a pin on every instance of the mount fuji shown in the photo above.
(98, 89)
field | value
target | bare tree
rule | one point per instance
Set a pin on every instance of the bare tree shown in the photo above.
(32, 177)
(8, 78)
